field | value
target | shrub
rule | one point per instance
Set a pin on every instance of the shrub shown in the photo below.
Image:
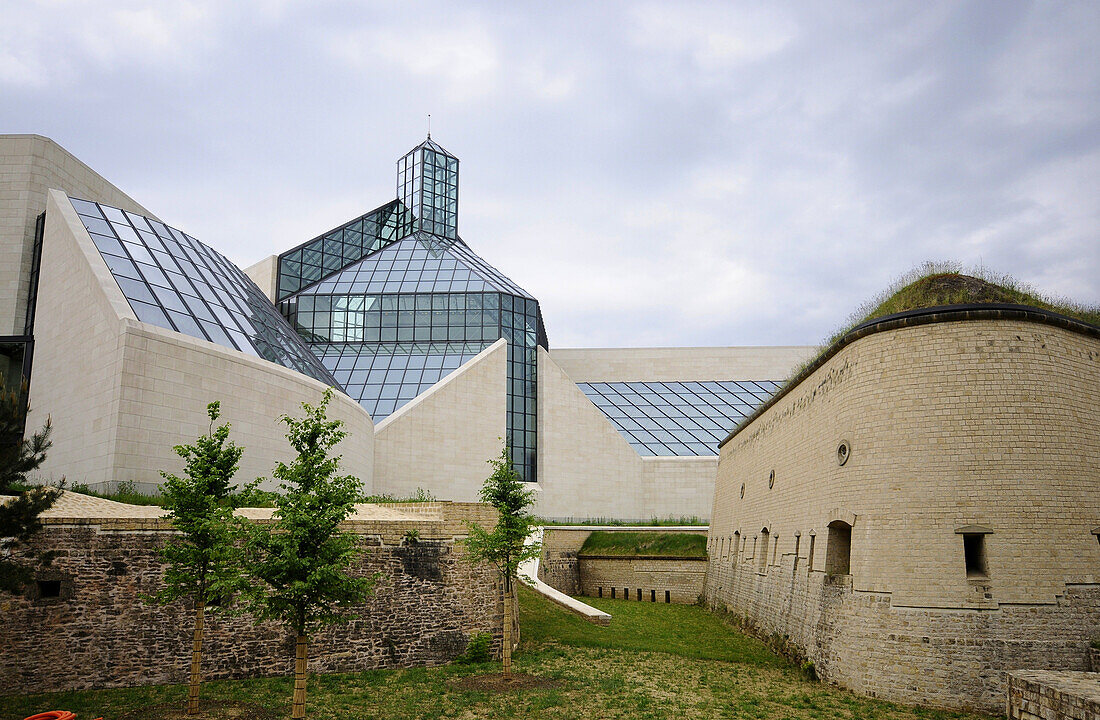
(477, 650)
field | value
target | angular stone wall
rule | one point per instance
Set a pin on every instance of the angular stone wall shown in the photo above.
(100, 633)
(1047, 695)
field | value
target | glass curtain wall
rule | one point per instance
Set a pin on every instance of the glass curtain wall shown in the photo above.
(393, 307)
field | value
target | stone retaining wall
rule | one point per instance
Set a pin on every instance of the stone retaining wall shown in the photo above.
(1049, 695)
(99, 632)
(645, 578)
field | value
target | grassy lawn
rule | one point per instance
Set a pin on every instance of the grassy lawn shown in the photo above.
(655, 661)
(658, 544)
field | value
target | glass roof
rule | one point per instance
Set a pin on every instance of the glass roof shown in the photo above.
(678, 418)
(419, 263)
(342, 246)
(173, 281)
(383, 378)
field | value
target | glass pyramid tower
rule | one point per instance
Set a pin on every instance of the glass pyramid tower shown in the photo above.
(393, 301)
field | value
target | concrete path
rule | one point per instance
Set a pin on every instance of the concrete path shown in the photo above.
(529, 573)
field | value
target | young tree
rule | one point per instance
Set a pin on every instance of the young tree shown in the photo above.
(204, 563)
(302, 558)
(19, 506)
(503, 546)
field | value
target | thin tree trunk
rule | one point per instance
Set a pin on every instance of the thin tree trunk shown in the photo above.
(196, 660)
(301, 657)
(507, 650)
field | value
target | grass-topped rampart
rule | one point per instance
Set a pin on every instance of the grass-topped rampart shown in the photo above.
(651, 544)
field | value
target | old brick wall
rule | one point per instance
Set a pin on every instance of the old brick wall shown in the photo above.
(1048, 695)
(100, 633)
(951, 425)
(681, 578)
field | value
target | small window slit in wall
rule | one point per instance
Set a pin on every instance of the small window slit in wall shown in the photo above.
(599, 591)
(49, 588)
(612, 593)
(668, 596)
(974, 555)
(626, 593)
(653, 596)
(810, 554)
(639, 594)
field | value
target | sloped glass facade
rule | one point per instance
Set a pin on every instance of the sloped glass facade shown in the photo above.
(173, 281)
(391, 317)
(677, 418)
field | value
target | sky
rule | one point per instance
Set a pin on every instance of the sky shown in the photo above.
(655, 173)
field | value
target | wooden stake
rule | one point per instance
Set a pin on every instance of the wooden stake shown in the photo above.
(507, 652)
(301, 657)
(196, 661)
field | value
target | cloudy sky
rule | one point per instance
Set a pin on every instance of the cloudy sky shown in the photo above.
(666, 173)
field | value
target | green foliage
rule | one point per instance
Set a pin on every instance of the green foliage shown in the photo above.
(20, 504)
(421, 495)
(503, 546)
(1095, 643)
(612, 522)
(205, 561)
(658, 544)
(301, 560)
(944, 283)
(412, 536)
(126, 492)
(477, 650)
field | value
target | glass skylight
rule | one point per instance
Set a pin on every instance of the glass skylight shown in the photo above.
(173, 281)
(678, 418)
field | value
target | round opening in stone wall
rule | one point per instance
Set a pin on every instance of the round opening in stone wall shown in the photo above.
(742, 491)
(843, 452)
(771, 479)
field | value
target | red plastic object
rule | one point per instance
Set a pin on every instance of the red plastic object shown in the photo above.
(55, 715)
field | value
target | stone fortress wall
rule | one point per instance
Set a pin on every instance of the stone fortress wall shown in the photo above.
(958, 538)
(99, 632)
(645, 578)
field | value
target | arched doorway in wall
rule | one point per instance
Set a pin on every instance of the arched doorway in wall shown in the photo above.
(838, 552)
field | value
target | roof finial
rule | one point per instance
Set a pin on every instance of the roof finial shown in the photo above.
(429, 126)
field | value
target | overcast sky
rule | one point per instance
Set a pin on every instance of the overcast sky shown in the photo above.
(655, 173)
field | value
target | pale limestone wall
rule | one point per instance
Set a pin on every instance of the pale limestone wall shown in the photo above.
(672, 364)
(586, 469)
(649, 579)
(442, 440)
(167, 381)
(121, 393)
(679, 487)
(265, 275)
(993, 423)
(29, 166)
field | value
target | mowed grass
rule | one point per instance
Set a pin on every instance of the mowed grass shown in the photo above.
(657, 544)
(655, 661)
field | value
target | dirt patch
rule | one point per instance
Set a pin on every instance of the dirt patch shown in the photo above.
(498, 683)
(208, 710)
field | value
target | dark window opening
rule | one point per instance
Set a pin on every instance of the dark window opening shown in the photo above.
(600, 589)
(838, 553)
(612, 593)
(810, 559)
(668, 596)
(974, 552)
(626, 593)
(653, 596)
(49, 588)
(639, 594)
